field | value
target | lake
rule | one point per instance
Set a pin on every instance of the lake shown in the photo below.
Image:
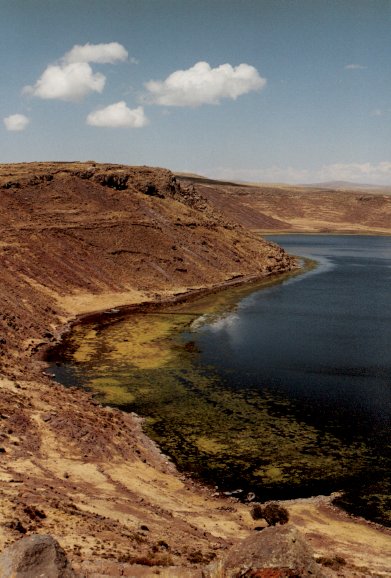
(283, 390)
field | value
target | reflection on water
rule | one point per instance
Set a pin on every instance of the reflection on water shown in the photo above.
(284, 391)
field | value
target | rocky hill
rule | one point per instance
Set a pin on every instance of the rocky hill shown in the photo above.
(84, 230)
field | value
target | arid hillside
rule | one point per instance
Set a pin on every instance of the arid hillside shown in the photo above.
(81, 230)
(78, 238)
(299, 209)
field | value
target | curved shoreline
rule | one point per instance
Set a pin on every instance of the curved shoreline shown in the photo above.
(116, 313)
(326, 526)
(107, 317)
(253, 283)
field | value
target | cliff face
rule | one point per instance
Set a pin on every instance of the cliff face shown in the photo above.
(78, 229)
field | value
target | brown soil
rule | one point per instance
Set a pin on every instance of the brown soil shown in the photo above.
(294, 209)
(78, 238)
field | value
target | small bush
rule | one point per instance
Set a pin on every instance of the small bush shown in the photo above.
(197, 557)
(275, 514)
(334, 563)
(257, 512)
(272, 513)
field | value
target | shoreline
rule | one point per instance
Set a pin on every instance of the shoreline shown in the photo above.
(106, 317)
(277, 233)
(162, 302)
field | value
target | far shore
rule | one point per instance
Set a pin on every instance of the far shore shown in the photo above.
(276, 233)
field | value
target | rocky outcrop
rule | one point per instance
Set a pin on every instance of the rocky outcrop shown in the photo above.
(35, 557)
(276, 552)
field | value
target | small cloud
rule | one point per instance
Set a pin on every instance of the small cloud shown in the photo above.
(357, 172)
(202, 84)
(377, 112)
(70, 82)
(118, 115)
(72, 77)
(354, 67)
(99, 53)
(16, 122)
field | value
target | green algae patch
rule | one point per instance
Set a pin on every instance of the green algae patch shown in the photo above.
(145, 344)
(112, 391)
(217, 433)
(86, 348)
(272, 474)
(210, 445)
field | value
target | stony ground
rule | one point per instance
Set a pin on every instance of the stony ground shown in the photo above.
(77, 238)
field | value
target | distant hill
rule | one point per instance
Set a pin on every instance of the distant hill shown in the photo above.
(330, 185)
(346, 185)
(331, 207)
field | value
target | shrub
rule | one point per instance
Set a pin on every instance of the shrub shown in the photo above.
(257, 512)
(272, 513)
(275, 514)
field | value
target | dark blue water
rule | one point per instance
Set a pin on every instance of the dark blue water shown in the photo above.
(320, 343)
(322, 339)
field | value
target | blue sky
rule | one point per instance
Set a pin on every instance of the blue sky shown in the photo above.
(287, 90)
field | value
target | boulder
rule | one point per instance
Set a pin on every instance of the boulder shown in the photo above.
(276, 552)
(33, 557)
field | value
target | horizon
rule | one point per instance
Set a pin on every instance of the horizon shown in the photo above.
(184, 174)
(256, 91)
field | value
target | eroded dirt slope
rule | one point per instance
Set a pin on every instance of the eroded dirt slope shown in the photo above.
(283, 208)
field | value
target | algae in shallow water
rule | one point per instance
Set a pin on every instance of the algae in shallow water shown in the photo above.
(247, 437)
(227, 436)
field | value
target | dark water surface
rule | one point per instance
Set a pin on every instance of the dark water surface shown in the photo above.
(284, 391)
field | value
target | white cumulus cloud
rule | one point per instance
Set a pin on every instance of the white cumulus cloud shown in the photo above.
(202, 84)
(16, 122)
(118, 115)
(67, 82)
(101, 53)
(72, 78)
